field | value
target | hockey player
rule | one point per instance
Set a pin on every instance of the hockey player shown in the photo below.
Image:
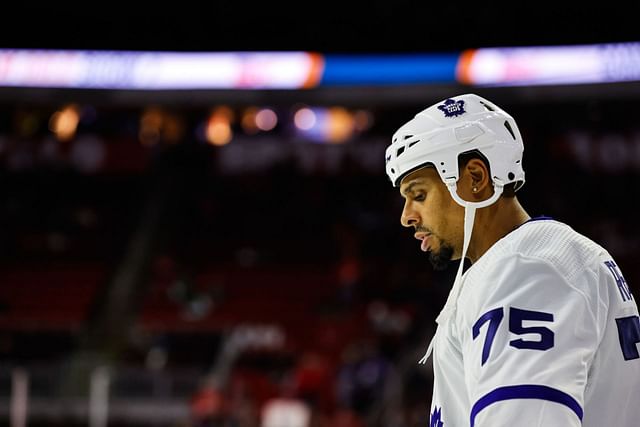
(542, 329)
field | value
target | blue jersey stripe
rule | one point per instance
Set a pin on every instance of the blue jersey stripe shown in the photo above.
(525, 391)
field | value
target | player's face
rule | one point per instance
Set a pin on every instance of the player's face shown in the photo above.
(437, 219)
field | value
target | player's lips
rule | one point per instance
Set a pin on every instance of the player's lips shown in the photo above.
(425, 240)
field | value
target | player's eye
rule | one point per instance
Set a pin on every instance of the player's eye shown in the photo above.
(420, 197)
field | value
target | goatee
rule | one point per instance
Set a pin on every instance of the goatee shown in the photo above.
(440, 260)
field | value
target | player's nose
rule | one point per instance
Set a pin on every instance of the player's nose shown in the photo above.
(409, 216)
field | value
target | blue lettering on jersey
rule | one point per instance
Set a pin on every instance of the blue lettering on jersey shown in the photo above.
(517, 318)
(625, 293)
(629, 335)
(436, 418)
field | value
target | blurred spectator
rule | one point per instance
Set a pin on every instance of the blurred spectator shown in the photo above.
(209, 408)
(287, 409)
(313, 381)
(349, 265)
(362, 378)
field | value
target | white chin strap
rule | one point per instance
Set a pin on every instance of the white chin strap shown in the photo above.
(469, 218)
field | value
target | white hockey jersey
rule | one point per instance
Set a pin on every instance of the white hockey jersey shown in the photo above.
(545, 333)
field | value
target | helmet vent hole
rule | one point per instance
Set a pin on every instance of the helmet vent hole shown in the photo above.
(404, 138)
(413, 143)
(400, 151)
(487, 106)
(508, 126)
(511, 176)
(393, 170)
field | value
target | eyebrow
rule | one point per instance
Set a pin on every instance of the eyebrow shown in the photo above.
(409, 187)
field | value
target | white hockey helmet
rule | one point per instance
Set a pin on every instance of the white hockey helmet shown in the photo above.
(440, 133)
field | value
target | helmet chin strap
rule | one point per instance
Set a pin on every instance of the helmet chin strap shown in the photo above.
(470, 208)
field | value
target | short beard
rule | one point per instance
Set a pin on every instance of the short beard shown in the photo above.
(440, 260)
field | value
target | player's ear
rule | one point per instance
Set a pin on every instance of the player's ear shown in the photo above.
(479, 178)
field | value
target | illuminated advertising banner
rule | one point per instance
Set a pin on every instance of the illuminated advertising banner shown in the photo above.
(530, 66)
(605, 63)
(156, 71)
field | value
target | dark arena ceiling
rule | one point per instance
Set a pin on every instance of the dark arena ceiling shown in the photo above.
(324, 26)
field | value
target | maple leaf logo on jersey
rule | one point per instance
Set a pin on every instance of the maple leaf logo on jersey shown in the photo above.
(436, 418)
(452, 108)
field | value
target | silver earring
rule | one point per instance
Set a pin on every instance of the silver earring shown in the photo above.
(475, 189)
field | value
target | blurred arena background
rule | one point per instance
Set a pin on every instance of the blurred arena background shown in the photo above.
(232, 255)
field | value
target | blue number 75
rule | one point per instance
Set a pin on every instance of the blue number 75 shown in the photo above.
(516, 318)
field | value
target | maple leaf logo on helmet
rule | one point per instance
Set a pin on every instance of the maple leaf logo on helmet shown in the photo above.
(452, 108)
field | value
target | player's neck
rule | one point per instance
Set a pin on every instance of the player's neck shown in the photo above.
(493, 223)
